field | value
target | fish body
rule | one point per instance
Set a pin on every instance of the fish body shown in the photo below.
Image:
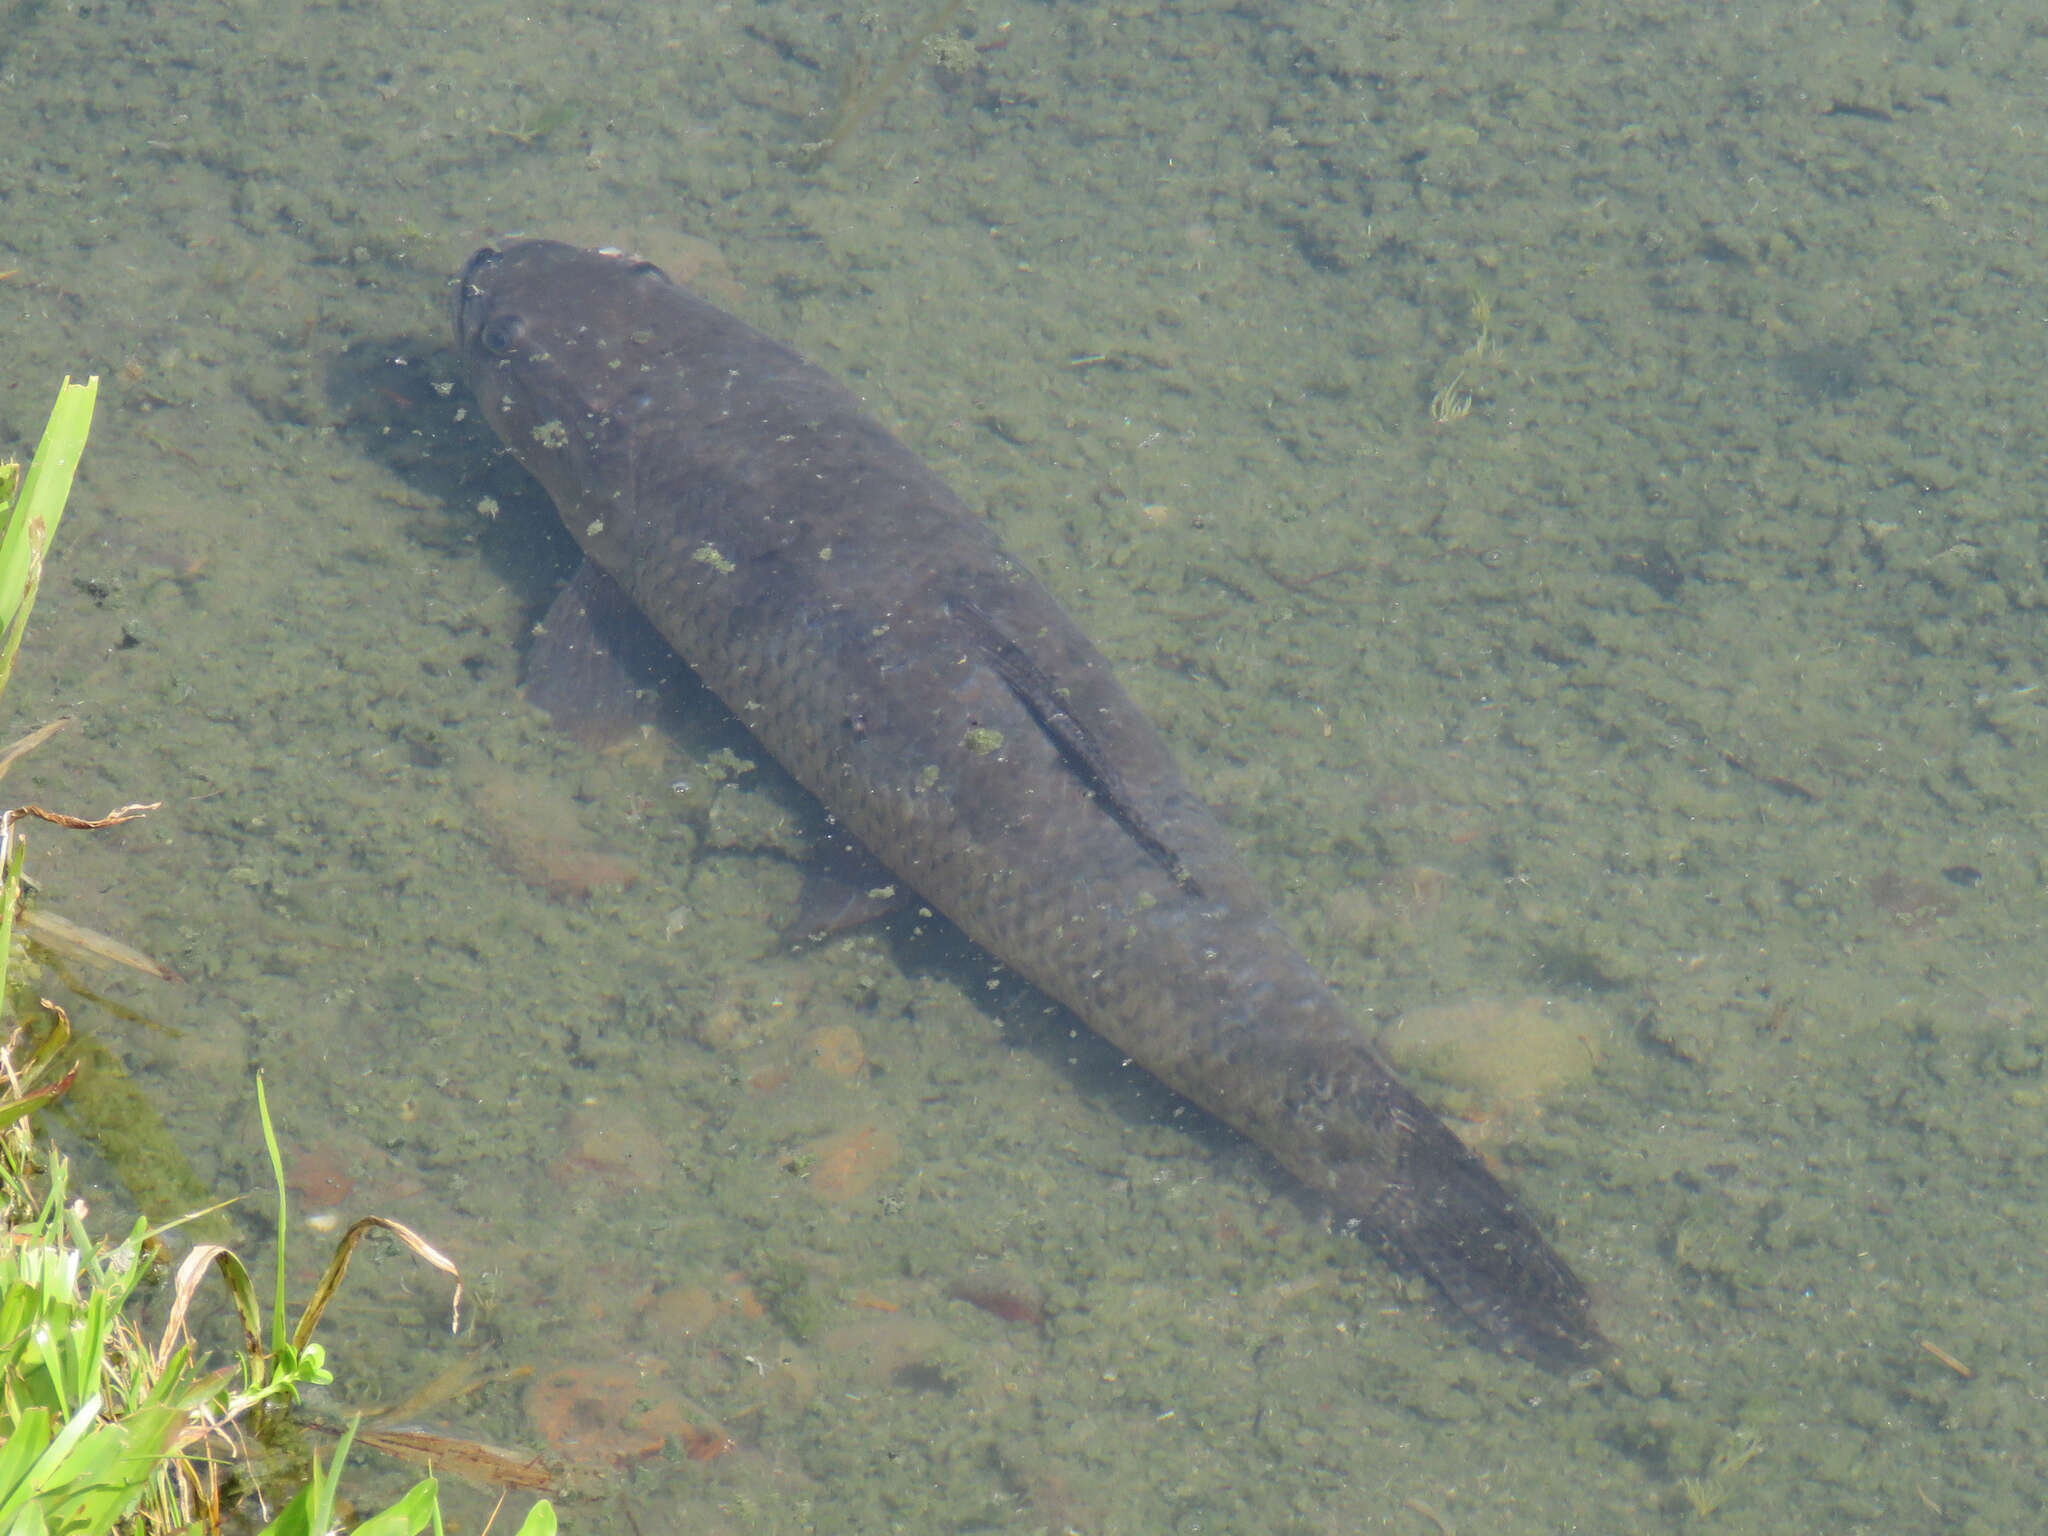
(879, 641)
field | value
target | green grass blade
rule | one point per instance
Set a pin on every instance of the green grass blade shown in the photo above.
(28, 1103)
(107, 1477)
(44, 490)
(19, 1452)
(29, 1523)
(277, 1323)
(539, 1521)
(22, 1305)
(413, 1512)
(311, 1513)
(296, 1518)
(326, 1492)
(48, 1468)
(90, 1471)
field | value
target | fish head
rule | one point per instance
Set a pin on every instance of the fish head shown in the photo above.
(653, 417)
(557, 345)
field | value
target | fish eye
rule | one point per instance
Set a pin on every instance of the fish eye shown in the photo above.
(502, 335)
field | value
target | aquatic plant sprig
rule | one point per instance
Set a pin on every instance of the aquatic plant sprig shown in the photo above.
(275, 1371)
(863, 89)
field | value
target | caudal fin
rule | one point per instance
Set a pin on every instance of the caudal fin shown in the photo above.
(1472, 1238)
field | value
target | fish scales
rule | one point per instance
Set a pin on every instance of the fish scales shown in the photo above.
(878, 640)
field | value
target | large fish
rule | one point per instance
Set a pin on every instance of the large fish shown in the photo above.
(876, 637)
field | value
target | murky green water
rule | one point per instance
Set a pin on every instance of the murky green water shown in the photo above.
(1691, 677)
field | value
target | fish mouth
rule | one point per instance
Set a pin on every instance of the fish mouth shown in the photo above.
(470, 304)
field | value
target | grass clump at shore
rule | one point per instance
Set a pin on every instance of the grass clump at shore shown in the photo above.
(100, 1430)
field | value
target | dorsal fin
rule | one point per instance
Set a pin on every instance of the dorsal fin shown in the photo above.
(1082, 750)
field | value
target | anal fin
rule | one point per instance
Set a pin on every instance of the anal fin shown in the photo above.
(1092, 763)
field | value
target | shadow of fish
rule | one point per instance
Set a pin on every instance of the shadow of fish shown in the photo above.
(875, 636)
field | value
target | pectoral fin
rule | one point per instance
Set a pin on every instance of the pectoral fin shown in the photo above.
(597, 666)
